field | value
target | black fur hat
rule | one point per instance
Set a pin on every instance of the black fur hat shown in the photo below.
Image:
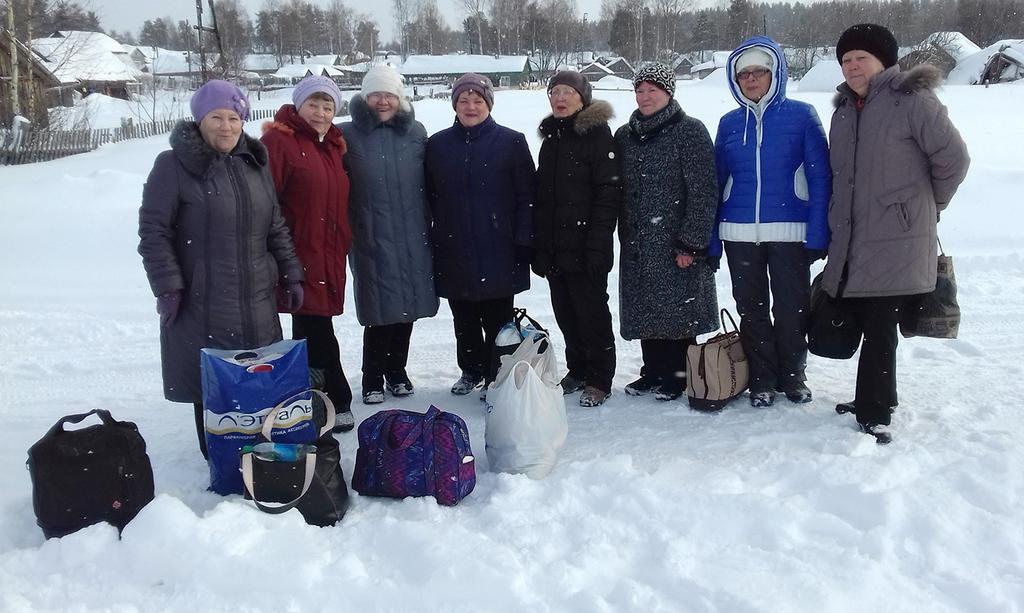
(875, 39)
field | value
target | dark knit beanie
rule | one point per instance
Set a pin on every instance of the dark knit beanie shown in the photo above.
(875, 39)
(658, 74)
(474, 83)
(574, 80)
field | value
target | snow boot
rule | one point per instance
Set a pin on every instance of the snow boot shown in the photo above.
(343, 422)
(644, 385)
(593, 397)
(373, 396)
(848, 407)
(762, 399)
(670, 389)
(800, 393)
(879, 431)
(466, 384)
(571, 385)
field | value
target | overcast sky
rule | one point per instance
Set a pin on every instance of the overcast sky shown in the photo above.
(124, 15)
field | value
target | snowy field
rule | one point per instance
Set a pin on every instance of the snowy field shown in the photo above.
(652, 507)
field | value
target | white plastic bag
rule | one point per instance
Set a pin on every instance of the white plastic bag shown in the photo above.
(526, 423)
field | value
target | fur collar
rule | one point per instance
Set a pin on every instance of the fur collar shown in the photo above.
(287, 121)
(914, 80)
(364, 118)
(597, 114)
(199, 158)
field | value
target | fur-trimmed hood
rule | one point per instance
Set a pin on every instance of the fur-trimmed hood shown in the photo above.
(287, 121)
(199, 158)
(597, 113)
(916, 79)
(366, 119)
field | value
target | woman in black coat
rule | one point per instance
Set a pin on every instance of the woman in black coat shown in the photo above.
(577, 205)
(213, 243)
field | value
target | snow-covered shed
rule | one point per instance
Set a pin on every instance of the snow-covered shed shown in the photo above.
(90, 60)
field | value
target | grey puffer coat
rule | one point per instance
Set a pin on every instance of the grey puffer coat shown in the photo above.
(210, 227)
(391, 259)
(670, 199)
(895, 164)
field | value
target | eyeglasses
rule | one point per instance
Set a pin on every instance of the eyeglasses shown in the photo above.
(757, 73)
(376, 96)
(562, 92)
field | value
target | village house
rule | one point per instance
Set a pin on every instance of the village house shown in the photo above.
(90, 62)
(38, 88)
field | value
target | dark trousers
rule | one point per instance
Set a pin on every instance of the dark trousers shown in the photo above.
(664, 358)
(385, 354)
(477, 323)
(772, 281)
(322, 345)
(876, 370)
(200, 426)
(580, 303)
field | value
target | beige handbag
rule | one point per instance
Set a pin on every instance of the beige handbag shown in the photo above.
(716, 370)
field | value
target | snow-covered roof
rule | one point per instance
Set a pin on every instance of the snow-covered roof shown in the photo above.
(968, 71)
(614, 83)
(171, 62)
(958, 46)
(85, 56)
(260, 61)
(329, 59)
(824, 76)
(417, 65)
(597, 66)
(292, 71)
(718, 60)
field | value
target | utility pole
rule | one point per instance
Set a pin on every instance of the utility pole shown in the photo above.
(15, 106)
(199, 39)
(28, 65)
(220, 46)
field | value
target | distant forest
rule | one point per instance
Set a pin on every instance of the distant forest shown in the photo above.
(553, 30)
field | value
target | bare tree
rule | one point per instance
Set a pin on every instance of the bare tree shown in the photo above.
(403, 11)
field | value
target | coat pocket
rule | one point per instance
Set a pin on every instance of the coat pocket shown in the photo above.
(897, 204)
(727, 190)
(800, 184)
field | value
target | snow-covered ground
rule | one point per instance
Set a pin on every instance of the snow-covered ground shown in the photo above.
(652, 507)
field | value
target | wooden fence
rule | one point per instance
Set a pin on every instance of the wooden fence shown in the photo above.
(45, 145)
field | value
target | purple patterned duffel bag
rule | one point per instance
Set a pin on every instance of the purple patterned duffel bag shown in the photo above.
(405, 453)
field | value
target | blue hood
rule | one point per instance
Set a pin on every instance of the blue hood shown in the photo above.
(780, 75)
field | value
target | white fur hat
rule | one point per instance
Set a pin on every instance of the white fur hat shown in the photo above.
(384, 78)
(753, 57)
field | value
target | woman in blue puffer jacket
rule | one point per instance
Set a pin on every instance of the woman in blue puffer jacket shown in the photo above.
(775, 181)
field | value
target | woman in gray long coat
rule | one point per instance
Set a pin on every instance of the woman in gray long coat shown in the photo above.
(213, 243)
(391, 257)
(897, 160)
(670, 193)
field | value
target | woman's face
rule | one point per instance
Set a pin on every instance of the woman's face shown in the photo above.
(564, 100)
(858, 68)
(754, 82)
(384, 103)
(471, 109)
(221, 129)
(318, 111)
(650, 98)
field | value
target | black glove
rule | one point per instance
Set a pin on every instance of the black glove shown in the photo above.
(713, 261)
(167, 306)
(813, 255)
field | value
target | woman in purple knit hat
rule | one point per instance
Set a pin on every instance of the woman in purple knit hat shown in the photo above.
(213, 242)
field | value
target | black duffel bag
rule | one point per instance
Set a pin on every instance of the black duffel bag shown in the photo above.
(832, 331)
(82, 477)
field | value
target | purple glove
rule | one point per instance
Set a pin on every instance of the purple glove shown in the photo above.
(293, 296)
(167, 306)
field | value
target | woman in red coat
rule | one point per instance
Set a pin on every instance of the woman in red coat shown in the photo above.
(305, 160)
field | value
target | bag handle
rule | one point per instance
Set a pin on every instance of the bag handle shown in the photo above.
(520, 315)
(417, 432)
(939, 241)
(281, 508)
(722, 315)
(268, 424)
(103, 414)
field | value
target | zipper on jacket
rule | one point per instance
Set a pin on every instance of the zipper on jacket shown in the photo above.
(757, 171)
(243, 227)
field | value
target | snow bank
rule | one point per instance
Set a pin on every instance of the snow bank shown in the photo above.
(824, 76)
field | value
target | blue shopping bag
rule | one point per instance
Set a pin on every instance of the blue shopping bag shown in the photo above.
(241, 388)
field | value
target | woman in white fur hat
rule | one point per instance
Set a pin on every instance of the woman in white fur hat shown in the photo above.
(391, 259)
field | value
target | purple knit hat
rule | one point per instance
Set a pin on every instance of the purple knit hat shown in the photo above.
(219, 95)
(474, 83)
(316, 84)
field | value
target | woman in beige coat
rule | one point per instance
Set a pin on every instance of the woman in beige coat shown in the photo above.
(897, 160)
